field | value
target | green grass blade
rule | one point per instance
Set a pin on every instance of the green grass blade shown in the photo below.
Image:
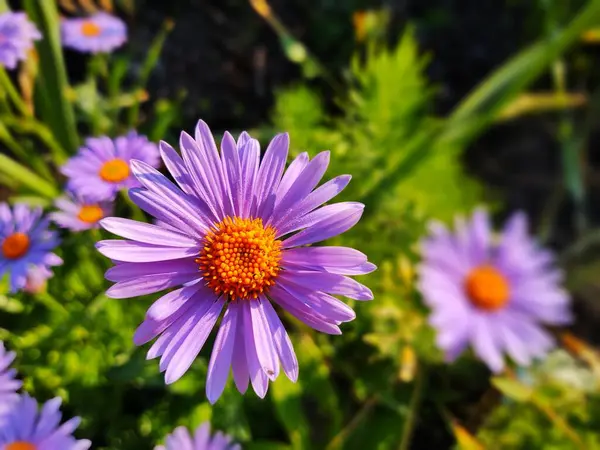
(26, 177)
(482, 106)
(52, 103)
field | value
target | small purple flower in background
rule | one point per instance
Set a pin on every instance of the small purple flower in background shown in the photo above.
(17, 34)
(101, 167)
(78, 214)
(100, 33)
(26, 428)
(181, 439)
(491, 293)
(236, 239)
(9, 385)
(37, 277)
(25, 242)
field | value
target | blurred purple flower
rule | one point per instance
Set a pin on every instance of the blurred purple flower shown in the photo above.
(9, 385)
(17, 34)
(26, 428)
(101, 167)
(181, 439)
(100, 33)
(78, 214)
(37, 277)
(491, 293)
(25, 242)
(236, 240)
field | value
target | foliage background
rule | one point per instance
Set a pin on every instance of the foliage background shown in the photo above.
(433, 106)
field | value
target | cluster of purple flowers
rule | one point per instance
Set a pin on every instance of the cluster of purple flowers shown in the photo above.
(26, 426)
(233, 239)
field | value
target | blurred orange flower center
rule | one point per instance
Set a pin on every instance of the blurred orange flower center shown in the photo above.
(21, 445)
(15, 245)
(487, 288)
(114, 171)
(90, 29)
(90, 213)
(240, 258)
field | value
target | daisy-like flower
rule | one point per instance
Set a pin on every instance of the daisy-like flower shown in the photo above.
(101, 167)
(9, 385)
(78, 214)
(26, 428)
(25, 242)
(37, 278)
(100, 33)
(17, 34)
(234, 233)
(181, 439)
(492, 293)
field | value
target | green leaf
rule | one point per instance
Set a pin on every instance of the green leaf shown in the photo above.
(51, 99)
(287, 397)
(266, 445)
(21, 173)
(513, 388)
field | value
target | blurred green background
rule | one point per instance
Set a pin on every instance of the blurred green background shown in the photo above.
(434, 107)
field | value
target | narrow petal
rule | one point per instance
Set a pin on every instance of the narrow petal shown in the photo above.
(132, 251)
(269, 174)
(328, 282)
(147, 233)
(148, 284)
(220, 358)
(239, 364)
(282, 341)
(128, 271)
(169, 303)
(325, 223)
(258, 378)
(325, 256)
(265, 350)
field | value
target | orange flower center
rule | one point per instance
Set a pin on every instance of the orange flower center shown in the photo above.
(114, 171)
(90, 213)
(90, 29)
(15, 245)
(21, 445)
(487, 288)
(240, 258)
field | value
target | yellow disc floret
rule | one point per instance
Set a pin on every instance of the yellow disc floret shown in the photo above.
(21, 445)
(240, 258)
(114, 171)
(15, 245)
(90, 29)
(90, 213)
(487, 288)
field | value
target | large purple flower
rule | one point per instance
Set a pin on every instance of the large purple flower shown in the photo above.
(26, 428)
(9, 385)
(101, 167)
(17, 34)
(491, 293)
(25, 242)
(234, 233)
(100, 33)
(181, 439)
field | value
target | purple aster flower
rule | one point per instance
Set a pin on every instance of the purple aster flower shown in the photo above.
(37, 277)
(100, 33)
(17, 34)
(25, 242)
(181, 439)
(26, 428)
(9, 385)
(101, 167)
(491, 293)
(78, 214)
(237, 236)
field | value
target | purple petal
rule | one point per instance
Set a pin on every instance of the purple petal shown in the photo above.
(148, 284)
(191, 346)
(259, 379)
(127, 271)
(170, 303)
(147, 233)
(176, 167)
(250, 157)
(290, 176)
(328, 282)
(233, 171)
(132, 251)
(327, 222)
(220, 358)
(265, 350)
(270, 172)
(239, 364)
(325, 256)
(282, 342)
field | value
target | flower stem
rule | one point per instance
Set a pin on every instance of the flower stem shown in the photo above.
(415, 403)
